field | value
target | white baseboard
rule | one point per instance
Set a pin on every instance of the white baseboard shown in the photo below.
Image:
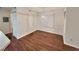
(24, 34)
(35, 30)
(75, 46)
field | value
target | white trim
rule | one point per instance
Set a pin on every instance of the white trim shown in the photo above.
(22, 36)
(8, 32)
(64, 26)
(25, 34)
(33, 31)
(75, 46)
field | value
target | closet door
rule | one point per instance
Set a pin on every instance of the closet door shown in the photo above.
(46, 22)
(31, 23)
(22, 28)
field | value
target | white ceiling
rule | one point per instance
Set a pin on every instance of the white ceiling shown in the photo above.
(6, 8)
(38, 9)
(41, 9)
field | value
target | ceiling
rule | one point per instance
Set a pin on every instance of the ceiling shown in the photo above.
(42, 9)
(38, 9)
(6, 8)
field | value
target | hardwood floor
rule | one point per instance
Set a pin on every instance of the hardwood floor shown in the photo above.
(9, 35)
(39, 41)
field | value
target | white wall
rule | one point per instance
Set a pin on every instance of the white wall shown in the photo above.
(54, 22)
(46, 21)
(24, 22)
(6, 26)
(59, 21)
(71, 36)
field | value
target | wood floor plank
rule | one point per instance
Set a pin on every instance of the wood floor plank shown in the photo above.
(40, 41)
